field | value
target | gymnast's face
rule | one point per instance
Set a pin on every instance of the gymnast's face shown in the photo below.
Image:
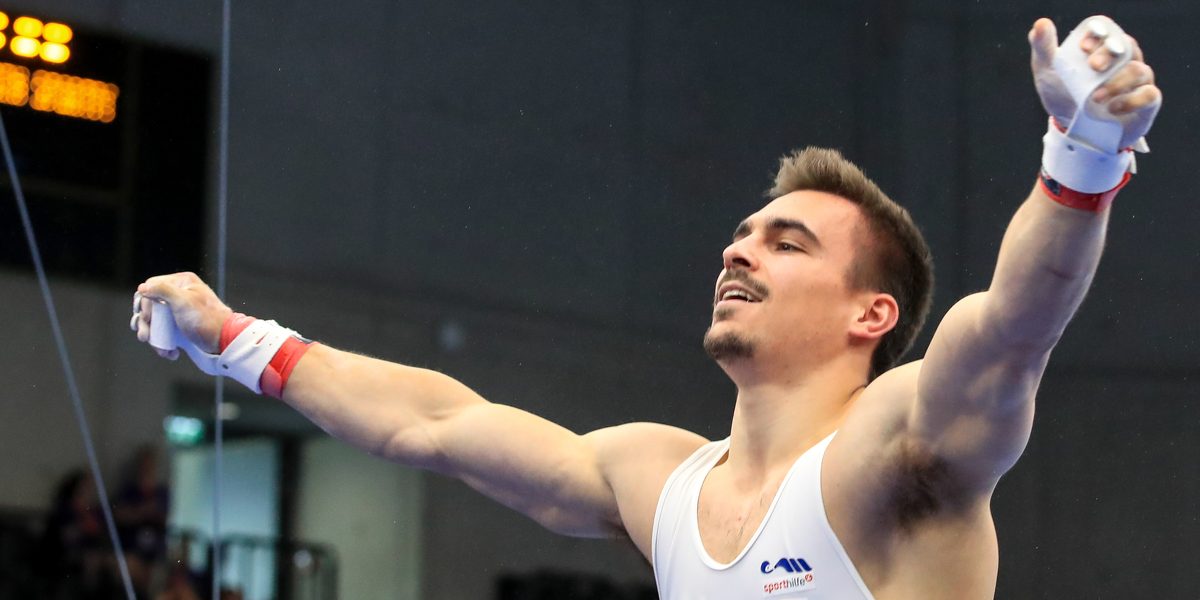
(784, 291)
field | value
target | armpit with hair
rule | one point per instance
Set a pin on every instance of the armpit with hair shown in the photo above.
(922, 486)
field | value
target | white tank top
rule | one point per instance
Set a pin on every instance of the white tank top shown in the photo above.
(794, 554)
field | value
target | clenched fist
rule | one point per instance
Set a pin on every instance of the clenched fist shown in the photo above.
(199, 314)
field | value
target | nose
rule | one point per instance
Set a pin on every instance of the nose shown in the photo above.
(738, 254)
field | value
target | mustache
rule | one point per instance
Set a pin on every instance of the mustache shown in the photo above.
(743, 277)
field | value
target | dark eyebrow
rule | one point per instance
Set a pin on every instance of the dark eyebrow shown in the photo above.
(780, 224)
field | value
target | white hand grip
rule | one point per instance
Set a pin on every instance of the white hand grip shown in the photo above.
(165, 335)
(163, 331)
(1092, 123)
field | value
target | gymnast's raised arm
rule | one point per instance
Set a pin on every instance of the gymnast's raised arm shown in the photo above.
(567, 482)
(975, 388)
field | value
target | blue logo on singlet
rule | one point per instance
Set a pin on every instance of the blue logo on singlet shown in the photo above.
(791, 565)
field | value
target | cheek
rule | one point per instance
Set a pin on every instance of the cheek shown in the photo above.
(815, 296)
(815, 308)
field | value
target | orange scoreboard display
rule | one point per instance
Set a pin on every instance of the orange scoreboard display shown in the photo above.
(110, 134)
(44, 86)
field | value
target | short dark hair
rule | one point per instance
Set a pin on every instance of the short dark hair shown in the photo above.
(899, 264)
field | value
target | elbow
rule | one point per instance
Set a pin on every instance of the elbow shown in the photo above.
(1029, 333)
(411, 446)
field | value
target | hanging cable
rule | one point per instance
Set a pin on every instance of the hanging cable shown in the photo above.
(65, 359)
(222, 220)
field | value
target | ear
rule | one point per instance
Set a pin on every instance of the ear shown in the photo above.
(877, 316)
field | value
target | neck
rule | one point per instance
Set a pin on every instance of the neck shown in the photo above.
(777, 418)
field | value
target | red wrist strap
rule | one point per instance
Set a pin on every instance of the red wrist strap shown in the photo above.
(275, 376)
(1080, 200)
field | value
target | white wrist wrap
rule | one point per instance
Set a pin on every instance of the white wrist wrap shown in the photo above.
(249, 353)
(244, 360)
(1080, 166)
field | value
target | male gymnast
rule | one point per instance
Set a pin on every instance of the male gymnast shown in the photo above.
(844, 475)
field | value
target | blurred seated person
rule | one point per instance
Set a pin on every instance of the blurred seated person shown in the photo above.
(140, 509)
(74, 547)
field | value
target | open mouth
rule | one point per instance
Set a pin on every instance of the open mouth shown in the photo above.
(736, 293)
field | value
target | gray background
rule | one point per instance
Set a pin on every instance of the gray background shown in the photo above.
(556, 181)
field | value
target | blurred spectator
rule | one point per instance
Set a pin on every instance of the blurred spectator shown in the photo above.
(140, 510)
(179, 585)
(232, 594)
(182, 582)
(74, 547)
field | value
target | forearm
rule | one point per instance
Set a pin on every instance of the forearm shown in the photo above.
(383, 408)
(1046, 264)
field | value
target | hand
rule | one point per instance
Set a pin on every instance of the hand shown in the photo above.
(199, 314)
(1129, 96)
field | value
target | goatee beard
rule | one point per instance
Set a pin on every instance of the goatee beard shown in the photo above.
(728, 346)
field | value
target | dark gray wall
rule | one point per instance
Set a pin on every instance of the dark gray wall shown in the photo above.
(562, 177)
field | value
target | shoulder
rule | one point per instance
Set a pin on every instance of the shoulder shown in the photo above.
(879, 418)
(643, 441)
(870, 463)
(880, 468)
(879, 453)
(636, 459)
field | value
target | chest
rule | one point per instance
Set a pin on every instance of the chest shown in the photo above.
(728, 521)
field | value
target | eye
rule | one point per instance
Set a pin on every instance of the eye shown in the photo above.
(788, 247)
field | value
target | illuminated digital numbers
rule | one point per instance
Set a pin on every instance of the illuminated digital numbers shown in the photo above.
(73, 96)
(65, 95)
(14, 84)
(47, 91)
(32, 38)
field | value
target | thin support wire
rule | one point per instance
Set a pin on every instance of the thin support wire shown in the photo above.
(65, 359)
(222, 230)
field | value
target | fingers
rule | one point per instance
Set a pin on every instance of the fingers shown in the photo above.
(137, 311)
(1104, 45)
(142, 326)
(140, 321)
(1043, 41)
(1134, 75)
(1104, 50)
(171, 289)
(1143, 98)
(1093, 38)
(1104, 56)
(163, 287)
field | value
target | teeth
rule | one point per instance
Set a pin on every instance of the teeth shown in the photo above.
(736, 294)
